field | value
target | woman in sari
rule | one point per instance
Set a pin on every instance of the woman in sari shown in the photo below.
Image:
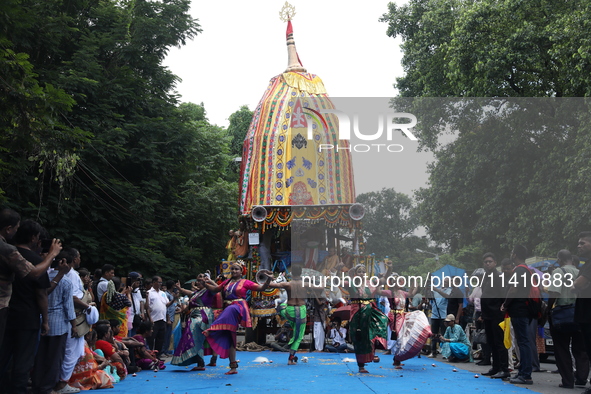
(114, 305)
(88, 373)
(192, 346)
(222, 333)
(144, 358)
(455, 345)
(368, 325)
(104, 343)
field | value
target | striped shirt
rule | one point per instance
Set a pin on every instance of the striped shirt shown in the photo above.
(60, 308)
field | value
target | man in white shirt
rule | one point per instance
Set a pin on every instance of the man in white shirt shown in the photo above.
(108, 273)
(74, 344)
(157, 302)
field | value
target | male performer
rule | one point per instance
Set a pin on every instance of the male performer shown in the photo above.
(294, 310)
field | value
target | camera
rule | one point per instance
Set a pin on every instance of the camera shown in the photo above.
(131, 280)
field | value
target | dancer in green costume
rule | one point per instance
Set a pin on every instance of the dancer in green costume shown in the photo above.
(294, 310)
(368, 325)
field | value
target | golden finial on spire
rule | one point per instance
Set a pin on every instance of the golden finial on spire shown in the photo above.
(287, 12)
(293, 60)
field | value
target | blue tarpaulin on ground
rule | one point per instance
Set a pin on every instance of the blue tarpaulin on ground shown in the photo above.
(323, 373)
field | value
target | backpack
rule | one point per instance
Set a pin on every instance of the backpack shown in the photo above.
(534, 301)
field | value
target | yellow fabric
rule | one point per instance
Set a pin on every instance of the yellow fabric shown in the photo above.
(506, 327)
(280, 165)
(308, 83)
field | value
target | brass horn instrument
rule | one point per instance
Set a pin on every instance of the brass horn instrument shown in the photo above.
(356, 211)
(259, 213)
(261, 278)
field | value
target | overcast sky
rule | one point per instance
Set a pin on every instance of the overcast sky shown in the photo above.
(243, 46)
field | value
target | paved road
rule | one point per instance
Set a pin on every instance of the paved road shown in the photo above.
(544, 382)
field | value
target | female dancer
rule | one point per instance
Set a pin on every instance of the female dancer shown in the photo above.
(193, 347)
(222, 333)
(397, 309)
(367, 323)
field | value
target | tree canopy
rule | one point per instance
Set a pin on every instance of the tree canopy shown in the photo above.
(514, 178)
(239, 124)
(94, 144)
(489, 48)
(389, 226)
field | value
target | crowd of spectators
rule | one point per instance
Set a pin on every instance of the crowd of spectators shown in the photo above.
(62, 329)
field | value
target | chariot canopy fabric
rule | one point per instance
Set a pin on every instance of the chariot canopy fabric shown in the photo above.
(292, 154)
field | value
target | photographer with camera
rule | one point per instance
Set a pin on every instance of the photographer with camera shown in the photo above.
(338, 335)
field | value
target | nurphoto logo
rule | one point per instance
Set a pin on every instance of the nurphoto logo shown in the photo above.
(349, 124)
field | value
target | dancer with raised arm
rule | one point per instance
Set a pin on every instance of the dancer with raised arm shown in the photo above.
(294, 310)
(222, 333)
(192, 348)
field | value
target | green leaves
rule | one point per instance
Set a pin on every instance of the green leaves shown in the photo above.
(94, 144)
(389, 222)
(509, 178)
(239, 124)
(492, 48)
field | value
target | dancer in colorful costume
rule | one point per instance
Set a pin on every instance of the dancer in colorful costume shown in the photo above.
(396, 316)
(222, 333)
(368, 325)
(193, 347)
(294, 310)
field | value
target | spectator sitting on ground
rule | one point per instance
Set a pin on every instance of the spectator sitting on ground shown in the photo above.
(89, 373)
(145, 359)
(105, 344)
(338, 335)
(120, 346)
(282, 338)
